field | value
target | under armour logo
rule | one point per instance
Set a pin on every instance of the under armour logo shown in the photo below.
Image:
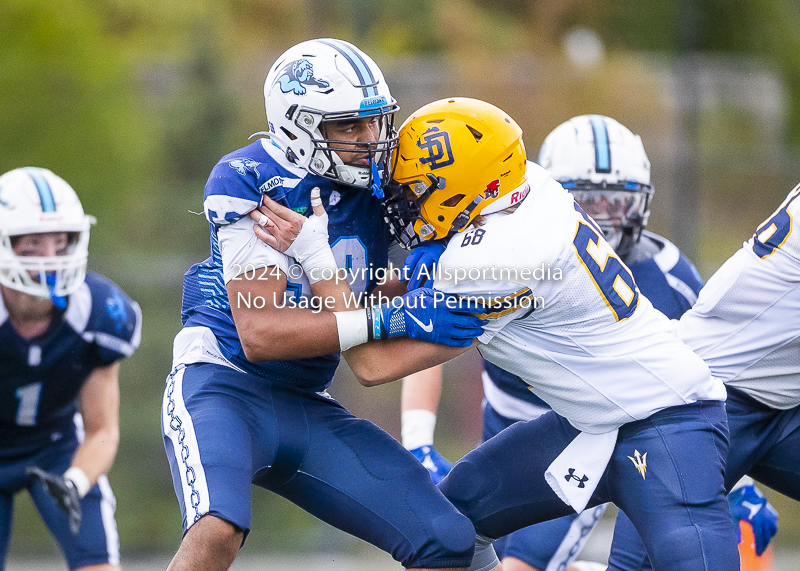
(640, 461)
(571, 476)
(437, 143)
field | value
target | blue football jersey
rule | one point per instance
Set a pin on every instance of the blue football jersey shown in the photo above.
(358, 236)
(664, 275)
(40, 378)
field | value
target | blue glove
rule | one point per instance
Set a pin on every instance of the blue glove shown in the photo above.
(421, 263)
(438, 466)
(749, 504)
(421, 315)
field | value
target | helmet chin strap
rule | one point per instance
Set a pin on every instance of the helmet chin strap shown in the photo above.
(352, 175)
(627, 240)
(58, 300)
(377, 191)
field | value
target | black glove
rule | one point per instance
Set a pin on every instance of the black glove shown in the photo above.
(64, 492)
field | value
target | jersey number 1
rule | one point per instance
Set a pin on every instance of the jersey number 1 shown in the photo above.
(28, 397)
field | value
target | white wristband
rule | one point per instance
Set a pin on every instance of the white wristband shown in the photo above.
(80, 479)
(417, 428)
(352, 326)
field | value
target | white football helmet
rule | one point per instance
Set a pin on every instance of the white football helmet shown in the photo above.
(329, 80)
(603, 164)
(34, 201)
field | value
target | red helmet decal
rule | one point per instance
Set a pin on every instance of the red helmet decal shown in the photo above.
(492, 189)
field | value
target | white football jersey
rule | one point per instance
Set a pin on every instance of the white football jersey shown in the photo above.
(746, 322)
(586, 341)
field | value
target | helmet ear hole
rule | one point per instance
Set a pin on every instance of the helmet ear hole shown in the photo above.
(475, 133)
(453, 200)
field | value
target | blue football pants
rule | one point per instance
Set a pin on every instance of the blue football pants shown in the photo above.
(681, 500)
(765, 445)
(224, 430)
(97, 541)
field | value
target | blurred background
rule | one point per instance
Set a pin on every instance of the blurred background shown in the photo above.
(134, 101)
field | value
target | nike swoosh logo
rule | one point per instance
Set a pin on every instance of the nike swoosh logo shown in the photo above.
(754, 508)
(426, 328)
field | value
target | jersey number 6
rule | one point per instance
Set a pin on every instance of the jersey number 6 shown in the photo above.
(612, 278)
(773, 233)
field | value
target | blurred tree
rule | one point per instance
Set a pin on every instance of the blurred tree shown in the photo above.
(763, 28)
(68, 108)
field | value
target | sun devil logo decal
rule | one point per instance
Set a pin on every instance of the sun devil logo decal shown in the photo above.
(640, 461)
(296, 75)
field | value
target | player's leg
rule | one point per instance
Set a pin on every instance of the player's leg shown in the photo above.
(97, 544)
(777, 446)
(6, 522)
(550, 545)
(666, 474)
(207, 437)
(211, 543)
(532, 548)
(755, 430)
(627, 550)
(351, 474)
(543, 546)
(500, 485)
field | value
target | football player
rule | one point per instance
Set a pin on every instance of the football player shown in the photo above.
(629, 400)
(63, 332)
(246, 401)
(605, 167)
(744, 326)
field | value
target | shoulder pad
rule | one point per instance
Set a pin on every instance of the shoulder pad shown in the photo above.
(115, 322)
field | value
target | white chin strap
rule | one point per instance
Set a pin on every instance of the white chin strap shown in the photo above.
(349, 174)
(358, 176)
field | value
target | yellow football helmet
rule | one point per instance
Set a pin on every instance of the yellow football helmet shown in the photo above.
(457, 158)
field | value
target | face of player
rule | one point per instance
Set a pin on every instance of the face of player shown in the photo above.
(25, 308)
(42, 245)
(359, 132)
(607, 208)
